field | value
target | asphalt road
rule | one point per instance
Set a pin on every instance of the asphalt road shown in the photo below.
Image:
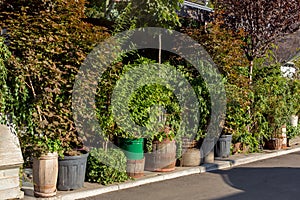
(272, 179)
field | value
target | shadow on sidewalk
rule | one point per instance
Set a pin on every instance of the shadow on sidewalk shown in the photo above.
(263, 183)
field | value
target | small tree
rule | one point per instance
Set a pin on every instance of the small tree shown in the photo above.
(263, 21)
(224, 46)
(153, 13)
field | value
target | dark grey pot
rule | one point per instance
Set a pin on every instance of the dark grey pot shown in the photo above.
(71, 172)
(222, 147)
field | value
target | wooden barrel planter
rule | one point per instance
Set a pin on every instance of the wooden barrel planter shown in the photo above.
(163, 156)
(274, 143)
(191, 158)
(45, 172)
(188, 143)
(135, 168)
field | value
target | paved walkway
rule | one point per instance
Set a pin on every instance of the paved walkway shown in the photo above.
(90, 189)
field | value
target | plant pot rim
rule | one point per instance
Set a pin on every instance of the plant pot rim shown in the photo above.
(68, 157)
(46, 155)
(166, 140)
(131, 138)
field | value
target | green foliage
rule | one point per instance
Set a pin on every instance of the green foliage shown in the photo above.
(106, 167)
(45, 145)
(131, 14)
(4, 56)
(294, 96)
(108, 9)
(96, 8)
(145, 104)
(159, 13)
(49, 42)
(248, 141)
(13, 95)
(224, 46)
(125, 21)
(292, 131)
(271, 90)
(143, 101)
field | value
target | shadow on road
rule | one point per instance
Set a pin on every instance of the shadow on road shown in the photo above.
(263, 183)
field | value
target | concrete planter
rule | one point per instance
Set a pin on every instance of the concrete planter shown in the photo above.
(191, 158)
(207, 151)
(10, 161)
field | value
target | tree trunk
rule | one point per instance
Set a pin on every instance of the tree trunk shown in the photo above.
(250, 84)
(250, 72)
(159, 48)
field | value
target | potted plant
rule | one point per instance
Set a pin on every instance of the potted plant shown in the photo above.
(72, 163)
(161, 156)
(154, 109)
(236, 122)
(271, 111)
(190, 153)
(132, 146)
(72, 169)
(143, 113)
(222, 147)
(45, 165)
(160, 125)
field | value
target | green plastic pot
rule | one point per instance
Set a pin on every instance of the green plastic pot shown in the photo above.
(133, 148)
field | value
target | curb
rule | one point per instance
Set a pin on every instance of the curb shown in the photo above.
(255, 157)
(217, 165)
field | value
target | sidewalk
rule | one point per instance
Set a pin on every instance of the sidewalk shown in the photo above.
(92, 189)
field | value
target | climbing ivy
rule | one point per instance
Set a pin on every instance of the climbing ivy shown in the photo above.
(49, 42)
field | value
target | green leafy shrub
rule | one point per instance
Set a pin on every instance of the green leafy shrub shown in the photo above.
(271, 91)
(294, 98)
(292, 131)
(144, 101)
(224, 46)
(106, 167)
(150, 13)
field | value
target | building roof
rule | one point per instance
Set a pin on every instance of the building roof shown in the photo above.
(198, 5)
(288, 47)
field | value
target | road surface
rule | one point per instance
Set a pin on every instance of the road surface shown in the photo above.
(271, 179)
